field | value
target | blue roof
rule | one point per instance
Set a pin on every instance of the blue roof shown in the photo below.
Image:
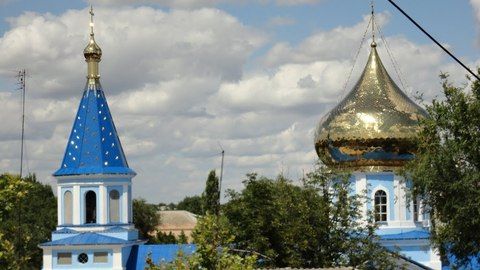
(87, 238)
(159, 253)
(417, 234)
(94, 146)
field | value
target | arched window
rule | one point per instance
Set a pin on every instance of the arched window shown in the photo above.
(114, 204)
(67, 207)
(91, 207)
(380, 206)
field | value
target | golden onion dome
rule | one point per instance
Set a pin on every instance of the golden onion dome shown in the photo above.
(92, 51)
(93, 55)
(374, 126)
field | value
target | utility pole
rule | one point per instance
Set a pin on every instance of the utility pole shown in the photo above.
(221, 176)
(21, 82)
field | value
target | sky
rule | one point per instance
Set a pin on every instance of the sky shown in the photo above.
(184, 77)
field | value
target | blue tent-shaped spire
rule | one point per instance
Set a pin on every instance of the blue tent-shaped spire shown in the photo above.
(94, 146)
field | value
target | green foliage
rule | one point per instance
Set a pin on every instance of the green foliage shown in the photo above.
(164, 238)
(192, 204)
(213, 239)
(212, 194)
(446, 171)
(146, 218)
(27, 217)
(182, 238)
(314, 225)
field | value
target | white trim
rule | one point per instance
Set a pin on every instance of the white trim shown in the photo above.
(124, 209)
(47, 259)
(60, 205)
(76, 205)
(102, 204)
(384, 189)
(402, 224)
(102, 227)
(119, 183)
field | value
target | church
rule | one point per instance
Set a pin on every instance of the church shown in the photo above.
(370, 132)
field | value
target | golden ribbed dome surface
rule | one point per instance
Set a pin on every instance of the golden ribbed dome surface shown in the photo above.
(373, 126)
(92, 50)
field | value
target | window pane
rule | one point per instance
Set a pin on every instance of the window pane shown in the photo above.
(384, 217)
(384, 199)
(67, 207)
(64, 258)
(384, 209)
(100, 257)
(114, 198)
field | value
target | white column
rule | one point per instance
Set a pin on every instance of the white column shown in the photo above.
(361, 188)
(402, 200)
(59, 205)
(102, 204)
(130, 206)
(47, 259)
(117, 259)
(76, 205)
(125, 211)
(397, 200)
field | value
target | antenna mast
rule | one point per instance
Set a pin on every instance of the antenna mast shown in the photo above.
(21, 81)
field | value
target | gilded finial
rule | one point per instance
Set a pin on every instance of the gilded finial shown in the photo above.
(372, 4)
(92, 53)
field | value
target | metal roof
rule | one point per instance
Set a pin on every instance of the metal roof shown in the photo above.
(177, 220)
(159, 254)
(94, 146)
(87, 238)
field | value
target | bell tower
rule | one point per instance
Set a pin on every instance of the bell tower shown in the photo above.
(94, 186)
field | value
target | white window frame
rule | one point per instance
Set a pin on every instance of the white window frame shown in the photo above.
(374, 191)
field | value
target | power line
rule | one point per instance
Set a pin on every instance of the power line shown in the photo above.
(434, 40)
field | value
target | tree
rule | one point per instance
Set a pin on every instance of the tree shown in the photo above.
(314, 225)
(164, 238)
(28, 214)
(146, 218)
(212, 194)
(446, 171)
(192, 204)
(182, 238)
(213, 240)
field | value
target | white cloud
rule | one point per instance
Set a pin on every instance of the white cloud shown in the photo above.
(176, 87)
(191, 4)
(296, 2)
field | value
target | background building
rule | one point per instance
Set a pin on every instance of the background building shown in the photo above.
(176, 222)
